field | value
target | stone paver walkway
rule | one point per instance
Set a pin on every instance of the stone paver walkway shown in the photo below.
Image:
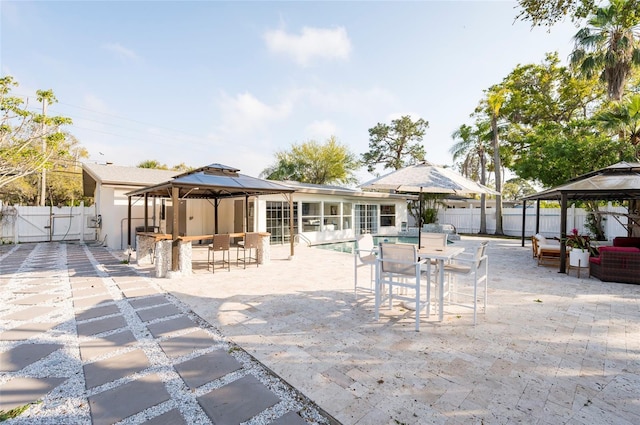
(98, 342)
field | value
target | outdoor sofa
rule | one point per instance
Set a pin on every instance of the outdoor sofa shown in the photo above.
(618, 263)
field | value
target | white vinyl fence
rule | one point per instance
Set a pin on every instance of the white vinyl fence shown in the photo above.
(467, 220)
(19, 224)
(43, 224)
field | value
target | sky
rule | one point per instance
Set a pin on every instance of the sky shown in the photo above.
(233, 83)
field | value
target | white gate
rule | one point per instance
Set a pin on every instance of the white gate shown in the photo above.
(19, 224)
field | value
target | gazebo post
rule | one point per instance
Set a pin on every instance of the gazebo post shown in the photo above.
(419, 217)
(563, 232)
(537, 216)
(129, 222)
(175, 248)
(146, 210)
(246, 213)
(291, 235)
(524, 218)
(216, 202)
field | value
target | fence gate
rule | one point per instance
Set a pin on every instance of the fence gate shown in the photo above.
(22, 224)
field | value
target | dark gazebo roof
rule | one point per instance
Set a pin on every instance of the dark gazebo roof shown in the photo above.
(213, 181)
(617, 182)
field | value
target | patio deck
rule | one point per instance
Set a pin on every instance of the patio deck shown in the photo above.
(552, 348)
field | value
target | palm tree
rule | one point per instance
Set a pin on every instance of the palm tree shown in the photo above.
(610, 45)
(471, 148)
(494, 101)
(624, 118)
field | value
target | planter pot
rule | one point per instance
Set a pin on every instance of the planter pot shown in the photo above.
(578, 258)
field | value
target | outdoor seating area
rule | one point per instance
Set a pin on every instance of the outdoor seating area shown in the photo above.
(546, 250)
(405, 272)
(617, 263)
(156, 249)
(535, 356)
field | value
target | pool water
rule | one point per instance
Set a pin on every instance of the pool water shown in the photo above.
(349, 245)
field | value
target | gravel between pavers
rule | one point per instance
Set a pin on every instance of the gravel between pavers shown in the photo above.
(68, 403)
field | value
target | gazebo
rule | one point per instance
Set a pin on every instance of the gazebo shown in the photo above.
(214, 181)
(618, 182)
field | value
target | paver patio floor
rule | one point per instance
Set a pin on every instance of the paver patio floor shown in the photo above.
(551, 348)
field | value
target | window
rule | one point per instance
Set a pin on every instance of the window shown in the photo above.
(310, 216)
(347, 209)
(366, 219)
(387, 215)
(278, 221)
(331, 216)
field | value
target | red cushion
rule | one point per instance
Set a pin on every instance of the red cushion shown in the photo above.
(619, 249)
(594, 260)
(626, 241)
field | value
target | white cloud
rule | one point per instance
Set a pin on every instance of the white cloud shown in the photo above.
(312, 43)
(244, 113)
(321, 130)
(95, 104)
(120, 51)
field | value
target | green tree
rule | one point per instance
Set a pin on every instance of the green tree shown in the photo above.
(546, 106)
(610, 45)
(471, 147)
(152, 163)
(517, 188)
(28, 139)
(624, 119)
(63, 183)
(397, 145)
(548, 92)
(316, 163)
(549, 12)
(557, 153)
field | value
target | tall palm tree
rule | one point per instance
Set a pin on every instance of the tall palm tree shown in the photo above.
(610, 45)
(471, 148)
(494, 101)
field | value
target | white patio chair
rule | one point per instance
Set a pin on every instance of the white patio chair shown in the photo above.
(398, 266)
(476, 267)
(364, 254)
(433, 240)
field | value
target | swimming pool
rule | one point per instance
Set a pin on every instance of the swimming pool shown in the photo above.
(349, 245)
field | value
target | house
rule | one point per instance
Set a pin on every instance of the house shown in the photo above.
(321, 213)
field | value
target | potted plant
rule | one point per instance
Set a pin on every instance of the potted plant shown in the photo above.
(581, 249)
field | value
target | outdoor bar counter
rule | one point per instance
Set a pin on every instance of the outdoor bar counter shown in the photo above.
(155, 248)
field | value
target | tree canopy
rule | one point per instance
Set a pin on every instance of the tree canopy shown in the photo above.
(397, 145)
(609, 45)
(316, 163)
(549, 12)
(28, 139)
(155, 164)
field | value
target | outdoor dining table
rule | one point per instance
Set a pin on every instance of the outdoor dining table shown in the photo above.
(440, 255)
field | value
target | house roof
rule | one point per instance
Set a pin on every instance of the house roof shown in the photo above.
(618, 182)
(213, 181)
(116, 175)
(342, 191)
